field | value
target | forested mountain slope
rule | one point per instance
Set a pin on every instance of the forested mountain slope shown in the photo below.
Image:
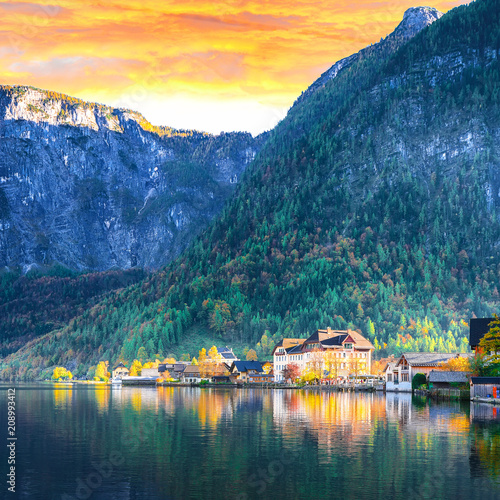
(374, 205)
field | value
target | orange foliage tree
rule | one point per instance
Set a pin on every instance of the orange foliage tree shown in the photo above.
(458, 364)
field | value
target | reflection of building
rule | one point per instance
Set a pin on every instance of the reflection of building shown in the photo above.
(335, 353)
(484, 459)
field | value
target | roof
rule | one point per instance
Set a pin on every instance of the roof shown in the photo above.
(335, 341)
(478, 328)
(228, 355)
(446, 376)
(360, 341)
(429, 358)
(335, 338)
(485, 380)
(192, 370)
(287, 343)
(179, 367)
(244, 366)
(391, 364)
(165, 367)
(119, 365)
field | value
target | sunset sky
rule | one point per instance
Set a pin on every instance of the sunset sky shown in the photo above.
(208, 65)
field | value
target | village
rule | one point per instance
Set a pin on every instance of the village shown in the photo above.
(328, 359)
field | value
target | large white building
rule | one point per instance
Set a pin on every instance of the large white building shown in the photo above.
(333, 353)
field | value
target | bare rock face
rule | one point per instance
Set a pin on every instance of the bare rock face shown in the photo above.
(415, 19)
(93, 187)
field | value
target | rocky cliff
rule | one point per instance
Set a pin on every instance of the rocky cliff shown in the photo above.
(93, 187)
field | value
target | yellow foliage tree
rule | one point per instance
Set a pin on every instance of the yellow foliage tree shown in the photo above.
(101, 371)
(213, 353)
(202, 356)
(194, 362)
(60, 373)
(151, 364)
(136, 368)
(458, 364)
(332, 364)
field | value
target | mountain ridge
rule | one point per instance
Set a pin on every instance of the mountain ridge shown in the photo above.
(414, 20)
(92, 187)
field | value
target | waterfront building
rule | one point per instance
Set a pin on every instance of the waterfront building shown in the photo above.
(120, 371)
(332, 354)
(398, 376)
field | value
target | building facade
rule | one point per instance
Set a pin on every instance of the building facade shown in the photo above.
(332, 354)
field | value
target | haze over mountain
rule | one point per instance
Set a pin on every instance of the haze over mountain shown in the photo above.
(374, 205)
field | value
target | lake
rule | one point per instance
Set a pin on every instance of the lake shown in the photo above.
(99, 442)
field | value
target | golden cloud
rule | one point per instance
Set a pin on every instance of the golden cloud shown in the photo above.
(223, 50)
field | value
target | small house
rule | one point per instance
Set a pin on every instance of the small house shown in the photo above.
(191, 374)
(120, 371)
(446, 380)
(411, 363)
(485, 387)
(243, 369)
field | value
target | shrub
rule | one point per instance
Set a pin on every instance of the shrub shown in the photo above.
(418, 380)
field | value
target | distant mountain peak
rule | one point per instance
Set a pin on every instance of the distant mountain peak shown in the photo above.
(415, 19)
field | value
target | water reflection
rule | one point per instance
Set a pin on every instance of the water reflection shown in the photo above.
(183, 443)
(484, 458)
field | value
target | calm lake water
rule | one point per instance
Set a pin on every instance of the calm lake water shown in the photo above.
(190, 443)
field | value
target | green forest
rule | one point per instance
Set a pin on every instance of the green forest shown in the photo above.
(374, 205)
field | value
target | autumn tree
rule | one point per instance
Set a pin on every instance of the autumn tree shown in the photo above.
(101, 371)
(378, 367)
(60, 373)
(251, 355)
(136, 368)
(490, 343)
(332, 363)
(291, 372)
(202, 356)
(457, 364)
(213, 354)
(314, 367)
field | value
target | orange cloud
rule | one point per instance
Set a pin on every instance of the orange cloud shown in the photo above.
(147, 52)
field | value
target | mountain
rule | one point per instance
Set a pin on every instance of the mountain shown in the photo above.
(373, 205)
(93, 188)
(414, 20)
